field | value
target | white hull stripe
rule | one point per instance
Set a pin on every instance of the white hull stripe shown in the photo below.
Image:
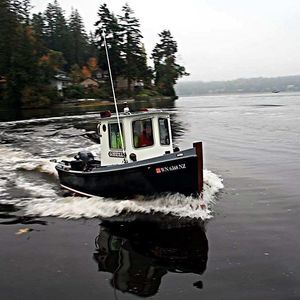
(77, 192)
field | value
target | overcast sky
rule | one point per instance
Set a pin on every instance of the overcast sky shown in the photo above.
(217, 39)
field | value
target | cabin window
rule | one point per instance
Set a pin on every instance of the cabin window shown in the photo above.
(115, 137)
(142, 133)
(164, 133)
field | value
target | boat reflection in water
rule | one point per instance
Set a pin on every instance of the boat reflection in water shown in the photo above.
(139, 253)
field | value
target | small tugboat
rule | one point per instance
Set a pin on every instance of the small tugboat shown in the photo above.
(137, 158)
(145, 164)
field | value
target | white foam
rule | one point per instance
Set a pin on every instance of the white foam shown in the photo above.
(3, 192)
(46, 120)
(44, 200)
(38, 190)
(95, 149)
(212, 185)
(41, 165)
(17, 159)
(177, 205)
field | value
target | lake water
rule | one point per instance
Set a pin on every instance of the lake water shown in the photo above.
(245, 245)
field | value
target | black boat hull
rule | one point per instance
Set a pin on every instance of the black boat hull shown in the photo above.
(178, 172)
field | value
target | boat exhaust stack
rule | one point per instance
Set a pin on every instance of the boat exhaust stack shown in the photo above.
(199, 152)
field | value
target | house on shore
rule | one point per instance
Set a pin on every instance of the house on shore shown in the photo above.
(89, 83)
(60, 81)
(122, 84)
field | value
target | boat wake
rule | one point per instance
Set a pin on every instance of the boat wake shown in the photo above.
(81, 207)
(29, 180)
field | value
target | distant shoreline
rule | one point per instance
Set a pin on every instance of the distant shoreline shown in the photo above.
(241, 94)
(239, 86)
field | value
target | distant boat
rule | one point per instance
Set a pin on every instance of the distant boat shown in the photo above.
(275, 91)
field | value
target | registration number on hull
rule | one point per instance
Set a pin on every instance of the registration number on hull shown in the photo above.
(170, 168)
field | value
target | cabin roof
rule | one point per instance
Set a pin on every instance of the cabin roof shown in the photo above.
(135, 114)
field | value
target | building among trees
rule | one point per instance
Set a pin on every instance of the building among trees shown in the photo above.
(50, 43)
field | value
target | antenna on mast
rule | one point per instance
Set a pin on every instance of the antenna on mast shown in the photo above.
(114, 96)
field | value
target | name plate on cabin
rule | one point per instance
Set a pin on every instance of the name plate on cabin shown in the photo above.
(118, 154)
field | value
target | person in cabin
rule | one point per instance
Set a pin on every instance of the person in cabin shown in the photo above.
(146, 138)
(116, 142)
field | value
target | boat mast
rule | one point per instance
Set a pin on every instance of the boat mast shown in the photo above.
(114, 96)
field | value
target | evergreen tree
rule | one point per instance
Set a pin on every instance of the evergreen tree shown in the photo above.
(78, 39)
(20, 55)
(8, 22)
(167, 71)
(133, 49)
(23, 68)
(21, 10)
(50, 25)
(108, 24)
(12, 14)
(38, 28)
(25, 8)
(145, 73)
(92, 45)
(57, 35)
(17, 63)
(38, 25)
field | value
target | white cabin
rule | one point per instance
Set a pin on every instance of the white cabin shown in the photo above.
(146, 134)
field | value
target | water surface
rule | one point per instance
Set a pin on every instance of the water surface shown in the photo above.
(245, 246)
